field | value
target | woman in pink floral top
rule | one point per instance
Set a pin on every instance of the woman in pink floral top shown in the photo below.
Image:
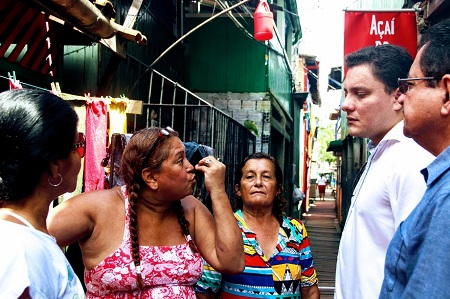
(146, 239)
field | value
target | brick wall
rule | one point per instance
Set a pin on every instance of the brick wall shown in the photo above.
(242, 106)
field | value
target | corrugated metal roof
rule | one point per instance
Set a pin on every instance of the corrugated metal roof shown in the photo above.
(27, 38)
(377, 4)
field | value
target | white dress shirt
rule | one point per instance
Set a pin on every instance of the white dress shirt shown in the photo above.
(388, 190)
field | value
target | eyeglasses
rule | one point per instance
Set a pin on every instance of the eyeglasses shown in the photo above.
(80, 146)
(404, 84)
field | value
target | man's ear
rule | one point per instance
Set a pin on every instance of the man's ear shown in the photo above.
(149, 178)
(445, 110)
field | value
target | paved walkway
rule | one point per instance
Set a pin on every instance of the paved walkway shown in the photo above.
(324, 236)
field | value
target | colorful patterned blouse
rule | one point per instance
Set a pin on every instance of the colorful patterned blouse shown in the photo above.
(290, 267)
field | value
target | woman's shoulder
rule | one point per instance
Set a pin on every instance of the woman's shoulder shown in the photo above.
(101, 194)
(97, 199)
(190, 201)
(193, 206)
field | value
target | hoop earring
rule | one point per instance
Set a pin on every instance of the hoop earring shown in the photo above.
(56, 185)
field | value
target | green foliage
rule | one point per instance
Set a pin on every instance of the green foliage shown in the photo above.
(324, 137)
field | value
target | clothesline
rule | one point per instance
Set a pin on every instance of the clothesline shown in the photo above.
(37, 87)
(98, 117)
(133, 106)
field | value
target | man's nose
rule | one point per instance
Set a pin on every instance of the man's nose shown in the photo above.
(401, 98)
(346, 103)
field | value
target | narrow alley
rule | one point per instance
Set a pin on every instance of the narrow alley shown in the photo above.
(324, 235)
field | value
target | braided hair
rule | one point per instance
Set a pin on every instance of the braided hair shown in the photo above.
(147, 148)
(279, 204)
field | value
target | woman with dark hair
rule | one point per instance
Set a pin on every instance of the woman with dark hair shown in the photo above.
(279, 262)
(146, 239)
(40, 158)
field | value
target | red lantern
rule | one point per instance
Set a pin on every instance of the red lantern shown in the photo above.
(263, 18)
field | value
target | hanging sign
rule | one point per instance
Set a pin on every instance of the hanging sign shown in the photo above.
(372, 28)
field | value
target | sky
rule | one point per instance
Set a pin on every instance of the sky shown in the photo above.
(322, 23)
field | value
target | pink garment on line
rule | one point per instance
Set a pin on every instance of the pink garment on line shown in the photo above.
(96, 125)
(167, 271)
(14, 84)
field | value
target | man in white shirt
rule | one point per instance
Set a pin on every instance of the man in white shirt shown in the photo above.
(391, 184)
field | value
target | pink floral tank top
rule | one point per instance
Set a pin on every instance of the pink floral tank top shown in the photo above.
(167, 271)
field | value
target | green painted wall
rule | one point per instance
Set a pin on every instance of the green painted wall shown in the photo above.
(280, 82)
(222, 58)
(80, 72)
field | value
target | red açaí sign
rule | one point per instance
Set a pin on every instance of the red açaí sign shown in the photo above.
(366, 28)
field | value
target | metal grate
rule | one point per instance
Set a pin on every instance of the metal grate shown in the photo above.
(170, 104)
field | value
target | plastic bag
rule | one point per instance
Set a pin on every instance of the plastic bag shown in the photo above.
(194, 153)
(297, 194)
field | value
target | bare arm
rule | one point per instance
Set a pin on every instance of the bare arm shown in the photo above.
(86, 214)
(219, 238)
(311, 292)
(71, 220)
(95, 219)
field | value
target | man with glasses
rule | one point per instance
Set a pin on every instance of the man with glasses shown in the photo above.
(391, 184)
(418, 259)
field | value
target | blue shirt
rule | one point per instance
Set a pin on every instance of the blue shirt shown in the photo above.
(418, 257)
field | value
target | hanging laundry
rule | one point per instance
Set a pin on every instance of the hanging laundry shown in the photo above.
(96, 125)
(117, 116)
(13, 83)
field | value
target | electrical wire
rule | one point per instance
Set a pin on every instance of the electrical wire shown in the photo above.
(183, 37)
(227, 9)
(329, 78)
(351, 5)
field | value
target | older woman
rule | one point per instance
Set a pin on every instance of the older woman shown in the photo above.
(40, 157)
(279, 262)
(146, 239)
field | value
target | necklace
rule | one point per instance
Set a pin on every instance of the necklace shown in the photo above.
(18, 217)
(360, 182)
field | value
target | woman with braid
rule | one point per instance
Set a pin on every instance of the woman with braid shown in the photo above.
(147, 239)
